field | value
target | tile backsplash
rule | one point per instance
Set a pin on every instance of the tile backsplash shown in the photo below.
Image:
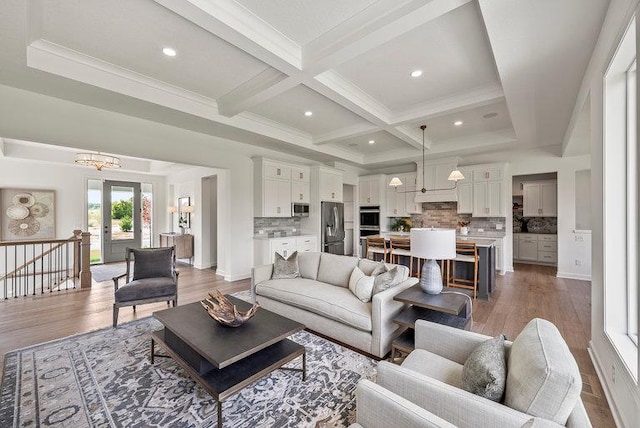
(445, 214)
(276, 225)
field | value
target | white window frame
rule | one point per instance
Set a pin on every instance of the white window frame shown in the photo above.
(620, 207)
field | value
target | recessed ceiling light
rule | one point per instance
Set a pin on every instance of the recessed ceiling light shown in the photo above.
(457, 123)
(416, 73)
(169, 52)
(372, 141)
(308, 113)
(490, 115)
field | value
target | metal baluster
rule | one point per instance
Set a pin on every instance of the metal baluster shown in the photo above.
(42, 269)
(66, 271)
(7, 269)
(35, 270)
(50, 256)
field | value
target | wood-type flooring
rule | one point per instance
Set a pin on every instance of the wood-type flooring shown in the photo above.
(531, 291)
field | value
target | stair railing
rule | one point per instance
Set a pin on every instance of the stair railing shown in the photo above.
(32, 267)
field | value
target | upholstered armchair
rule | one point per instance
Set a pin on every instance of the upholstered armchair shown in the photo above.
(542, 388)
(155, 279)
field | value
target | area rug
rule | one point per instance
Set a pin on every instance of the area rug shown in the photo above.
(105, 378)
(106, 272)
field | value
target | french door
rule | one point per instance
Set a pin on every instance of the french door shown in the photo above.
(121, 219)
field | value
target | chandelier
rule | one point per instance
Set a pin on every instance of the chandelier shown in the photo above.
(97, 160)
(455, 175)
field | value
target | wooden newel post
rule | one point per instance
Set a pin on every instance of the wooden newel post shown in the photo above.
(85, 260)
(77, 234)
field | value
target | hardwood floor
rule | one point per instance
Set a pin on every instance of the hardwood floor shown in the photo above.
(532, 291)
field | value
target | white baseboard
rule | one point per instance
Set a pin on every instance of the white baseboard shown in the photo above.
(569, 275)
(605, 387)
(236, 277)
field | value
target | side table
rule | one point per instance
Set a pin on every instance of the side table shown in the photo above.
(452, 307)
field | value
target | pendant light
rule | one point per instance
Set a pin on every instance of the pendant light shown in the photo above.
(455, 175)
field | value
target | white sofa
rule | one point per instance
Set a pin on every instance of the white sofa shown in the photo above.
(543, 384)
(321, 300)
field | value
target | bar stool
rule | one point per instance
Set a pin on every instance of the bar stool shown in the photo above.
(401, 247)
(377, 246)
(466, 252)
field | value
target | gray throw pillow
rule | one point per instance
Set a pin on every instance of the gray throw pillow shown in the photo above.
(485, 371)
(152, 263)
(286, 268)
(380, 269)
(387, 280)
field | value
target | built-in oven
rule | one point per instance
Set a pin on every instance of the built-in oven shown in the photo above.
(370, 217)
(369, 230)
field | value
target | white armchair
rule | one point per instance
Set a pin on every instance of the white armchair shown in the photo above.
(425, 390)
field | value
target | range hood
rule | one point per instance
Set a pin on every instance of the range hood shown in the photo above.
(437, 196)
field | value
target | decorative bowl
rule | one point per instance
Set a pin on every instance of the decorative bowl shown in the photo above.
(222, 310)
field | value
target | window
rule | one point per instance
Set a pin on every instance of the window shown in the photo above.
(620, 196)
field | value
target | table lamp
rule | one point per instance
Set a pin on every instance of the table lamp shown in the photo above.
(432, 244)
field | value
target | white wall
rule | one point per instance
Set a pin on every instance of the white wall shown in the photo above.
(583, 199)
(70, 184)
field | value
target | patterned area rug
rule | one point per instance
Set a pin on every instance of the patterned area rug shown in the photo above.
(106, 272)
(105, 378)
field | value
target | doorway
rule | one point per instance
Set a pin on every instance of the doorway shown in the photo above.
(210, 222)
(121, 219)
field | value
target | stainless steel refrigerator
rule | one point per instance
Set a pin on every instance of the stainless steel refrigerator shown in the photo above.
(333, 227)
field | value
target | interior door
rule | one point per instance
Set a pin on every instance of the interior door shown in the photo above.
(121, 219)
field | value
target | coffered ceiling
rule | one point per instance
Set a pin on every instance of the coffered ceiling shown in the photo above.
(248, 70)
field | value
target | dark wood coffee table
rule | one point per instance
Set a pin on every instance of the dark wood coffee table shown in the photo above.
(449, 308)
(225, 359)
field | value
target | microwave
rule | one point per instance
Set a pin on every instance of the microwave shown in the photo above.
(299, 210)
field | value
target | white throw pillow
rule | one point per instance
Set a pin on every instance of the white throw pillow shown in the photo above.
(361, 285)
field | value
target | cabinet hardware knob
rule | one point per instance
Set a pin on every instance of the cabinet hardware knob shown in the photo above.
(278, 172)
(301, 175)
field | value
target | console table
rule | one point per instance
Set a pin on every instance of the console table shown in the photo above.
(182, 242)
(448, 308)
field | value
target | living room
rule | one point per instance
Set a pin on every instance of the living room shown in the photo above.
(170, 125)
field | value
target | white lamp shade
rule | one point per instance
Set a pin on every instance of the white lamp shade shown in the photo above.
(172, 210)
(455, 176)
(395, 182)
(434, 244)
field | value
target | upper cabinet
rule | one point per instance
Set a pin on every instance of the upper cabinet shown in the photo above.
(277, 185)
(540, 199)
(465, 192)
(400, 200)
(370, 190)
(488, 196)
(436, 181)
(330, 185)
(300, 185)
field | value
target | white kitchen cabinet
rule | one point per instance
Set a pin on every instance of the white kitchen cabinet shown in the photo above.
(277, 170)
(300, 174)
(540, 199)
(395, 201)
(499, 252)
(528, 248)
(369, 190)
(305, 244)
(488, 199)
(330, 186)
(300, 191)
(436, 176)
(410, 186)
(487, 173)
(515, 245)
(277, 198)
(465, 197)
(265, 249)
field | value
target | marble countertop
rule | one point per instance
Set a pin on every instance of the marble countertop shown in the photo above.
(266, 236)
(479, 241)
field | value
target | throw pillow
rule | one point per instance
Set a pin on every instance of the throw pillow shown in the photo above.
(286, 268)
(361, 285)
(485, 371)
(387, 280)
(152, 263)
(380, 269)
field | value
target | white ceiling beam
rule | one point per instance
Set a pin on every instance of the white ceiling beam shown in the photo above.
(344, 133)
(374, 26)
(371, 28)
(262, 87)
(233, 23)
(451, 104)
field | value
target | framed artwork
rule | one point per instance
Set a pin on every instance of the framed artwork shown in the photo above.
(184, 215)
(27, 214)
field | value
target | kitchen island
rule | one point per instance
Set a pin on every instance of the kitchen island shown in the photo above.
(486, 267)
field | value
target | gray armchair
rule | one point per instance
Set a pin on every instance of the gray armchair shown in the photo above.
(155, 279)
(542, 388)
